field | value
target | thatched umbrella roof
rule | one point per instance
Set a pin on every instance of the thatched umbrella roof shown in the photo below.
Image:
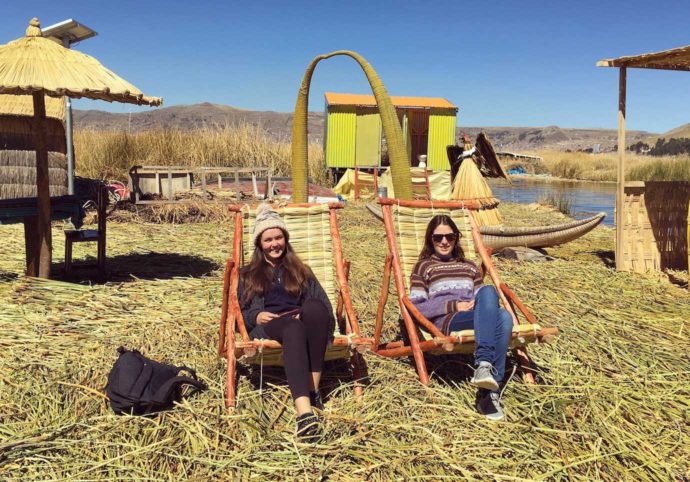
(37, 66)
(23, 105)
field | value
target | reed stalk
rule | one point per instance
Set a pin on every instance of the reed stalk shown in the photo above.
(613, 402)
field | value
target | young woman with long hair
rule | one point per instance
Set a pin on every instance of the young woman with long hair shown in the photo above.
(282, 300)
(447, 289)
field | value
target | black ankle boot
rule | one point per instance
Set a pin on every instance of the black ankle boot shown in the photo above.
(309, 428)
(315, 400)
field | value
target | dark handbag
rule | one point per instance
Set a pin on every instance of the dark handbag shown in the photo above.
(140, 386)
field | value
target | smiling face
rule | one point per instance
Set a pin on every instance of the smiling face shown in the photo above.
(272, 243)
(444, 240)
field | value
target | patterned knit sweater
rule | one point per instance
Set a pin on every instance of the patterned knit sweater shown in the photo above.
(436, 285)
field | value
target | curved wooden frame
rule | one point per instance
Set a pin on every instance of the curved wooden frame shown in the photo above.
(232, 322)
(413, 319)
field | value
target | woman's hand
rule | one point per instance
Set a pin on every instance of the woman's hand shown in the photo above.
(464, 305)
(264, 317)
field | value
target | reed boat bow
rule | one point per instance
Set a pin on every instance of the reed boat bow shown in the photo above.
(497, 237)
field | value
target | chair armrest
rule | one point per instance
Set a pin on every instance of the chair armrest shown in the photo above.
(421, 319)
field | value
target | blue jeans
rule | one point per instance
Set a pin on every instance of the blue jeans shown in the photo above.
(493, 327)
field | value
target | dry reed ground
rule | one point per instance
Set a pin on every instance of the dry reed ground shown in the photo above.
(615, 402)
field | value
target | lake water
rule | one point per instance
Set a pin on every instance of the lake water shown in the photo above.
(587, 198)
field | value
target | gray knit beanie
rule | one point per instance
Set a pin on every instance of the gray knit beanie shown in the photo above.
(266, 218)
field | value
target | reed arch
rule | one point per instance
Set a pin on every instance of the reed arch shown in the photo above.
(400, 163)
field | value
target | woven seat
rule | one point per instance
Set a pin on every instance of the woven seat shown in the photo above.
(315, 238)
(406, 223)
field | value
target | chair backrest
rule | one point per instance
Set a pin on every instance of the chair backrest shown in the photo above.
(409, 225)
(366, 180)
(421, 188)
(310, 236)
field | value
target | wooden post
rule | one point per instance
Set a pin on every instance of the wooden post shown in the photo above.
(400, 288)
(341, 275)
(43, 244)
(254, 186)
(356, 183)
(382, 300)
(620, 192)
(30, 237)
(170, 185)
(268, 187)
(202, 173)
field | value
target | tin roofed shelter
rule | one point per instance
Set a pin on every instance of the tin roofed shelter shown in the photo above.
(352, 136)
(651, 217)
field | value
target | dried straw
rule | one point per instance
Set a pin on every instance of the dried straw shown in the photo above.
(18, 174)
(470, 184)
(34, 63)
(613, 404)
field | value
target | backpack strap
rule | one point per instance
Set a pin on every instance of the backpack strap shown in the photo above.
(142, 381)
(190, 370)
(162, 395)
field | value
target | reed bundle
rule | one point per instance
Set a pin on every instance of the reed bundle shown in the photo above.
(469, 184)
(18, 174)
(613, 405)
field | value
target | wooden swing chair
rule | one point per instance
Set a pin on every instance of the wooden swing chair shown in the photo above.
(315, 237)
(406, 223)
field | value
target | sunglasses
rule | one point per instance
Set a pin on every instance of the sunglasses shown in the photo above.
(437, 238)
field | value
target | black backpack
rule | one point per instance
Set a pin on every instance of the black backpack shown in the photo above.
(140, 386)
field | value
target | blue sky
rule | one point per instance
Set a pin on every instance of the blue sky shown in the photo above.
(504, 63)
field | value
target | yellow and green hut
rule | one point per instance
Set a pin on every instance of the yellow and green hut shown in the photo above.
(353, 133)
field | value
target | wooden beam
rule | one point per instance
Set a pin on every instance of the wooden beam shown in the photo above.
(30, 238)
(43, 240)
(620, 191)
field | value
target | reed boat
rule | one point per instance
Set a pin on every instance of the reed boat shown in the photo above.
(497, 237)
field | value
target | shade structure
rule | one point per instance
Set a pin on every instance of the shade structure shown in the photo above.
(671, 59)
(23, 105)
(37, 66)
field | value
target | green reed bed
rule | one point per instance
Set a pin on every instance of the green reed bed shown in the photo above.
(613, 405)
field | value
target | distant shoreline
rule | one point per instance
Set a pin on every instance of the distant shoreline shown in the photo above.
(543, 178)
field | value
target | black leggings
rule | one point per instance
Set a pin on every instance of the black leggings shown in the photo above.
(304, 344)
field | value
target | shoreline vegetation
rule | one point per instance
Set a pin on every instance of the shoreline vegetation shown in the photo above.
(108, 154)
(612, 405)
(583, 166)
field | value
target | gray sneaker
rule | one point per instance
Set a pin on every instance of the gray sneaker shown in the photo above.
(489, 405)
(483, 376)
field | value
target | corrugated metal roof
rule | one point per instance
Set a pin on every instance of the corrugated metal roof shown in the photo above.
(334, 98)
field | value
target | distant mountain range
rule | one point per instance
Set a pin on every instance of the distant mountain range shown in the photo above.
(279, 124)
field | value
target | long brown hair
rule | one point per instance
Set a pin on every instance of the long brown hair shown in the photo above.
(436, 221)
(258, 275)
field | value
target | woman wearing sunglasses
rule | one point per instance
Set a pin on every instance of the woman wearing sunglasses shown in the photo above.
(447, 289)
